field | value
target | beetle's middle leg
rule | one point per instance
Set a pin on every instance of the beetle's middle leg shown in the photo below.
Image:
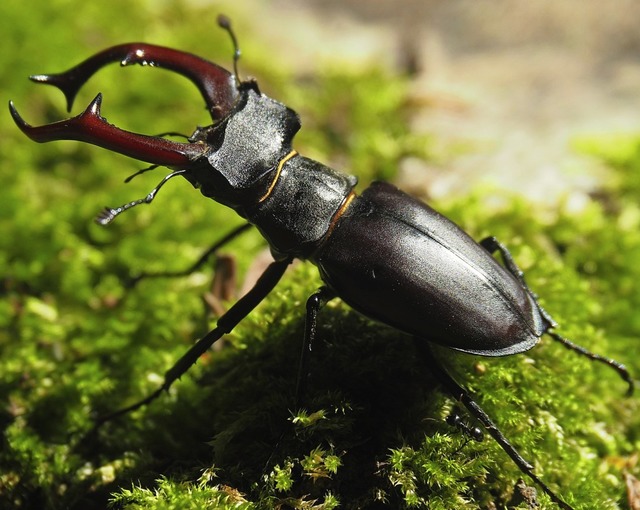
(491, 244)
(463, 396)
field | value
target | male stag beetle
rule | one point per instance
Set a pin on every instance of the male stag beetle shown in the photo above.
(386, 254)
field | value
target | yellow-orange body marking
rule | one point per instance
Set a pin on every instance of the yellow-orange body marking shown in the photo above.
(278, 171)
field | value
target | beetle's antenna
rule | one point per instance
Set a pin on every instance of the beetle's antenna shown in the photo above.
(225, 23)
(109, 213)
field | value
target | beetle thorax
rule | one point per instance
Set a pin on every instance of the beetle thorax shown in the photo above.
(245, 146)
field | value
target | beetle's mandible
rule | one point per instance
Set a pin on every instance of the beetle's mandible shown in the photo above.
(386, 254)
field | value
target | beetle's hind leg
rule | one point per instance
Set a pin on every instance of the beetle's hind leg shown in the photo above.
(491, 244)
(463, 396)
(616, 365)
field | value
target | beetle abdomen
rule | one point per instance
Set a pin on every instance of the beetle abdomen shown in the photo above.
(427, 277)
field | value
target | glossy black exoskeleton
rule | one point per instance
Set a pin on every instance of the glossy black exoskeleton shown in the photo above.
(386, 254)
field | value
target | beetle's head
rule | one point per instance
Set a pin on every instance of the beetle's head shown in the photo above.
(220, 89)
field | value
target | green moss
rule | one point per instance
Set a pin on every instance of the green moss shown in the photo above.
(74, 343)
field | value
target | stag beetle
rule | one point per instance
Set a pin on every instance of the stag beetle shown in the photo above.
(386, 254)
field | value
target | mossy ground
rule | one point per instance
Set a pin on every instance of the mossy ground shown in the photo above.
(75, 344)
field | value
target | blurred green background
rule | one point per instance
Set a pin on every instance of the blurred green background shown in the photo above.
(74, 343)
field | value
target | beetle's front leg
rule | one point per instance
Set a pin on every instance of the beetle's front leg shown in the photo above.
(265, 284)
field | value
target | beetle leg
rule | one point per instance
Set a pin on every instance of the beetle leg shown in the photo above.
(243, 307)
(462, 395)
(217, 85)
(616, 365)
(197, 264)
(492, 245)
(315, 302)
(92, 128)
